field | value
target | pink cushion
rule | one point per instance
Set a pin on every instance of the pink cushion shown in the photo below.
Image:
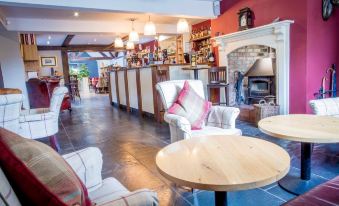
(191, 106)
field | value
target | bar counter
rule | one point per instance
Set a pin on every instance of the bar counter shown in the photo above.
(134, 89)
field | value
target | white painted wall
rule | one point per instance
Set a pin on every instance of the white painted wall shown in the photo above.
(46, 71)
(12, 64)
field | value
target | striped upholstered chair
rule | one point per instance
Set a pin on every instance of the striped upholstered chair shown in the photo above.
(10, 107)
(326, 107)
(43, 122)
(87, 164)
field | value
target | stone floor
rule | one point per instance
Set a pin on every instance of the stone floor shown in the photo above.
(129, 145)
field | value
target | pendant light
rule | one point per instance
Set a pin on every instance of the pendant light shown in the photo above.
(118, 43)
(182, 26)
(130, 45)
(149, 28)
(133, 35)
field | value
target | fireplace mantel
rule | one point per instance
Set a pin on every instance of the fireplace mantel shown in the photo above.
(275, 35)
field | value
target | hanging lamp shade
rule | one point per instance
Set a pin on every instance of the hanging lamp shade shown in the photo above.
(149, 28)
(118, 43)
(182, 26)
(133, 35)
(130, 45)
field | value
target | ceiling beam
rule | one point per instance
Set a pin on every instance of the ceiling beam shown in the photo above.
(103, 54)
(91, 58)
(81, 48)
(187, 8)
(68, 40)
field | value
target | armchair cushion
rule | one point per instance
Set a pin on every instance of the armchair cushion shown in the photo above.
(328, 106)
(191, 106)
(87, 164)
(113, 193)
(223, 117)
(38, 174)
(208, 130)
(40, 114)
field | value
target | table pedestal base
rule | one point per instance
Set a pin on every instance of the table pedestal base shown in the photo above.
(220, 198)
(297, 186)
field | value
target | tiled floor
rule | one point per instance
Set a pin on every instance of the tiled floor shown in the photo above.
(129, 145)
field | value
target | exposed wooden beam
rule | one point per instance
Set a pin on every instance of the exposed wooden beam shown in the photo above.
(125, 38)
(68, 40)
(103, 54)
(112, 55)
(65, 66)
(91, 58)
(81, 48)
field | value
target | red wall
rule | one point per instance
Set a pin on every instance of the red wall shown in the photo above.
(150, 44)
(322, 47)
(302, 12)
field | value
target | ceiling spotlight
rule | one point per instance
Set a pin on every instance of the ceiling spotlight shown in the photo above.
(76, 14)
(49, 37)
(48, 42)
(182, 26)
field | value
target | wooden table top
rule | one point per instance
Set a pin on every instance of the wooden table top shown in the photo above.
(223, 163)
(302, 128)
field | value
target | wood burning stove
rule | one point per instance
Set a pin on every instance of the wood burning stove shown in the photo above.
(261, 80)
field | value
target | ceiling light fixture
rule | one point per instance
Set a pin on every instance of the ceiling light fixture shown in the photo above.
(94, 40)
(48, 42)
(133, 35)
(130, 45)
(118, 43)
(149, 28)
(182, 26)
(76, 14)
(49, 37)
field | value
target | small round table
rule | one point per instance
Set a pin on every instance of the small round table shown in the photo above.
(223, 163)
(307, 129)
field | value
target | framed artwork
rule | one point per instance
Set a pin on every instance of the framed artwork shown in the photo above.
(48, 61)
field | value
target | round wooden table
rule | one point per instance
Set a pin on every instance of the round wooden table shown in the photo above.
(223, 163)
(307, 129)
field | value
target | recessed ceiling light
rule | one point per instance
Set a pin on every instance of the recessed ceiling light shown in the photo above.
(49, 37)
(76, 14)
(48, 42)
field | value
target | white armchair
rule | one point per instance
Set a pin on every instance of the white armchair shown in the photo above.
(43, 122)
(87, 164)
(220, 121)
(327, 107)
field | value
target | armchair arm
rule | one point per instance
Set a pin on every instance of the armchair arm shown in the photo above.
(142, 197)
(31, 115)
(87, 164)
(223, 117)
(180, 127)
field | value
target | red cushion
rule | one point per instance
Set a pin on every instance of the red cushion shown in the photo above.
(39, 175)
(191, 106)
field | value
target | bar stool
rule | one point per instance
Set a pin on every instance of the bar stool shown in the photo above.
(217, 80)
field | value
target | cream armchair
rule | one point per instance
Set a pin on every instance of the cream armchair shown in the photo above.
(87, 164)
(220, 121)
(327, 107)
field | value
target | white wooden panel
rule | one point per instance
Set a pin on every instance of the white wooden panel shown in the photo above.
(146, 90)
(113, 87)
(132, 89)
(121, 83)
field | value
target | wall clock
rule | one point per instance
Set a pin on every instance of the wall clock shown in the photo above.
(327, 9)
(245, 18)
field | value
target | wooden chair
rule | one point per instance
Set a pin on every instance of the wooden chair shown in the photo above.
(217, 79)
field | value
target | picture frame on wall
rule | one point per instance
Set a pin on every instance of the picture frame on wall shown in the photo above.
(48, 61)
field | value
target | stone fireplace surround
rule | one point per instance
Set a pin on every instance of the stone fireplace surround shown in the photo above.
(275, 35)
